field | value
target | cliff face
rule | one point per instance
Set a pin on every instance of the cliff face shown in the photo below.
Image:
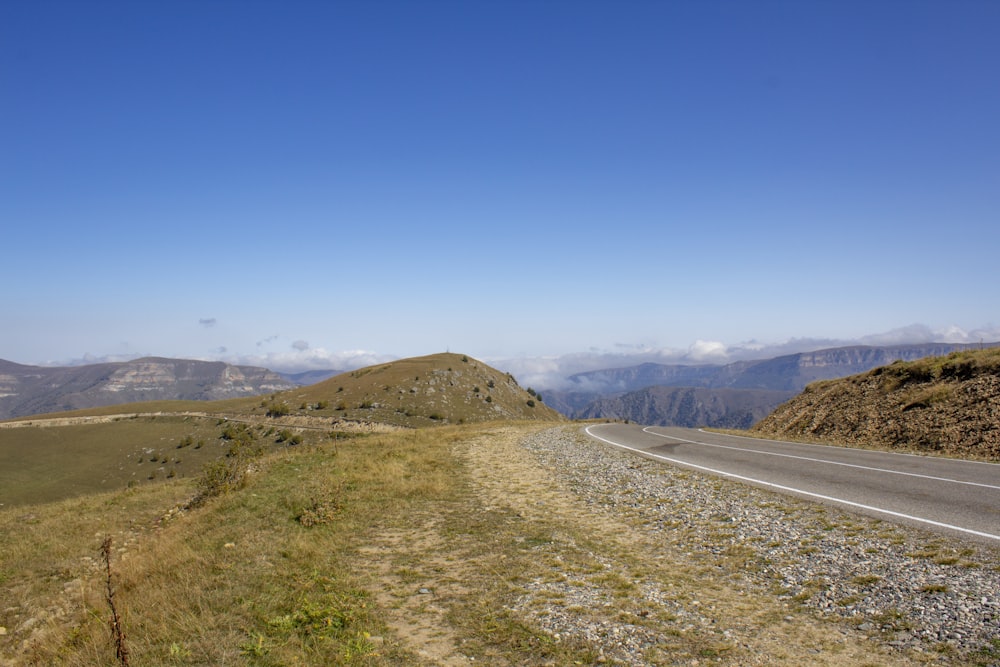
(944, 404)
(27, 390)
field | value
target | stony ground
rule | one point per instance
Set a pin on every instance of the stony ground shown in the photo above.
(784, 581)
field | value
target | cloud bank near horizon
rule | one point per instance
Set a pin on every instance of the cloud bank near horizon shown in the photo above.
(551, 372)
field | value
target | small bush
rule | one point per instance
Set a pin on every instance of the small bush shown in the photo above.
(278, 410)
(219, 478)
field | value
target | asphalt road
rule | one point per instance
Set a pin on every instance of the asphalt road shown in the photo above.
(945, 495)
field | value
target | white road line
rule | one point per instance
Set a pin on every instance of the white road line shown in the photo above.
(789, 489)
(814, 460)
(819, 446)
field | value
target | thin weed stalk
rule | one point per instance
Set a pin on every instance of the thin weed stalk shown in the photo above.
(117, 632)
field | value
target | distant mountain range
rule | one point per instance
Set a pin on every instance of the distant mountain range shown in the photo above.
(729, 395)
(752, 388)
(310, 377)
(689, 406)
(29, 390)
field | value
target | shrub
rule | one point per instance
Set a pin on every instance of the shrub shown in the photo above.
(531, 403)
(278, 410)
(219, 477)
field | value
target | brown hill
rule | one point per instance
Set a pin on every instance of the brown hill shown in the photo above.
(948, 404)
(420, 391)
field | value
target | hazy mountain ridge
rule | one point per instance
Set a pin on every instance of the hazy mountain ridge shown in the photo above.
(622, 393)
(946, 403)
(28, 390)
(689, 406)
(311, 377)
(791, 372)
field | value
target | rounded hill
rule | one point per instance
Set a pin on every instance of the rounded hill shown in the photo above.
(420, 391)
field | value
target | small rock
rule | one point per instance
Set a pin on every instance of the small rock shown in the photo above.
(3, 630)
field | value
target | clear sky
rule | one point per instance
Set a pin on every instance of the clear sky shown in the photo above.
(295, 183)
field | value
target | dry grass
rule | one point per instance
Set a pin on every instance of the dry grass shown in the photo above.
(432, 547)
(53, 463)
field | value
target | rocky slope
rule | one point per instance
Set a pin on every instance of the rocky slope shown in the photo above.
(943, 404)
(28, 390)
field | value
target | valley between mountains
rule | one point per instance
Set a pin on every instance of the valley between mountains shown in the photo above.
(434, 512)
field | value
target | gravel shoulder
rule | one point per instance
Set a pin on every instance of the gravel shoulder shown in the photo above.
(749, 576)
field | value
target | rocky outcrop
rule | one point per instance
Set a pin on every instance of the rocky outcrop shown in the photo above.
(946, 404)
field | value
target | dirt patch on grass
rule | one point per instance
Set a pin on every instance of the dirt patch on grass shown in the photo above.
(416, 582)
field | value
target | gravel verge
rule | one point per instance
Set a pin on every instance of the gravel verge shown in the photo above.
(908, 589)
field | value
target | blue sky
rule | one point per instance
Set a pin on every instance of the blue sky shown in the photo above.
(322, 184)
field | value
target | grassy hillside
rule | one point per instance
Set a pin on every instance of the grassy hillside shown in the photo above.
(51, 457)
(948, 404)
(41, 464)
(440, 388)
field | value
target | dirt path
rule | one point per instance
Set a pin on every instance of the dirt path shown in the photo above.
(598, 580)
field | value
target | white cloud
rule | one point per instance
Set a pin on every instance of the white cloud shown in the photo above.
(296, 360)
(708, 350)
(300, 345)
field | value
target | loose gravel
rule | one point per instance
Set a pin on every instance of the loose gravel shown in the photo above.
(906, 588)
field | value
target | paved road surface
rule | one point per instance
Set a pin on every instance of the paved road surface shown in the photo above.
(946, 495)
